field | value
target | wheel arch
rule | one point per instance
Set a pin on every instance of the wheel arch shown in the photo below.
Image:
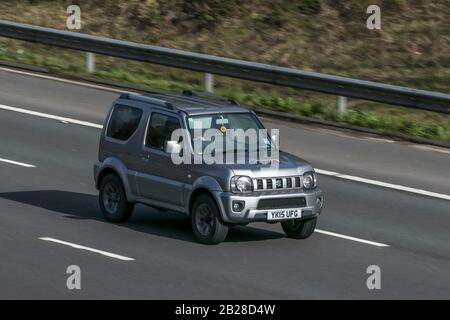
(103, 173)
(115, 166)
(197, 193)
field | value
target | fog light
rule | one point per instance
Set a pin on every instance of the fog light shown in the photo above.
(238, 206)
(319, 202)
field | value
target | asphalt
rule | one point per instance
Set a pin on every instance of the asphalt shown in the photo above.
(57, 199)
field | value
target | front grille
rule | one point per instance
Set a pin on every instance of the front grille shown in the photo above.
(281, 203)
(279, 183)
(288, 182)
(259, 185)
(262, 184)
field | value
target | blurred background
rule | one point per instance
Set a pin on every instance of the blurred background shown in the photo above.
(412, 49)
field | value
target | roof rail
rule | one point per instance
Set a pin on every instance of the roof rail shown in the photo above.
(209, 96)
(146, 99)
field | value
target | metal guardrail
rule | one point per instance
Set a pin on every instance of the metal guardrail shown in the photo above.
(341, 86)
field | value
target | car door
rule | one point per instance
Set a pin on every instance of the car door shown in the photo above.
(159, 179)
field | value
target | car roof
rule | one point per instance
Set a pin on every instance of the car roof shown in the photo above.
(188, 102)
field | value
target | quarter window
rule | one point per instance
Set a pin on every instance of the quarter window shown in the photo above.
(124, 122)
(160, 130)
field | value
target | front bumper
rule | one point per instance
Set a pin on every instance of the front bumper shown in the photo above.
(251, 211)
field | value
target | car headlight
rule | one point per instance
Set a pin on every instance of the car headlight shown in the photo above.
(241, 184)
(309, 180)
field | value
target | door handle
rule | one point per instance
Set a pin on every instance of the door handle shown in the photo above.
(145, 157)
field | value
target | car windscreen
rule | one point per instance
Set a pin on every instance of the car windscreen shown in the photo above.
(239, 131)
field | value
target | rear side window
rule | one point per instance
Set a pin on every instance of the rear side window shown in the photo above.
(160, 130)
(124, 122)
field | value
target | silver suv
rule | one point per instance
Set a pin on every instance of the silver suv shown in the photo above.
(135, 165)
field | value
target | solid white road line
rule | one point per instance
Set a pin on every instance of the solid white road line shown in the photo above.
(429, 148)
(49, 116)
(319, 171)
(77, 246)
(79, 83)
(333, 234)
(384, 184)
(17, 163)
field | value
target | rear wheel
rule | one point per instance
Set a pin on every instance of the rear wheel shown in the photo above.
(206, 223)
(113, 200)
(299, 229)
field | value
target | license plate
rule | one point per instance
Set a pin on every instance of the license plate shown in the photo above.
(283, 214)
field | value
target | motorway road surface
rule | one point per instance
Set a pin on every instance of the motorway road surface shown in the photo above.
(406, 234)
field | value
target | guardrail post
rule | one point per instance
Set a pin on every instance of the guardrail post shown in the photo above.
(209, 82)
(90, 62)
(342, 104)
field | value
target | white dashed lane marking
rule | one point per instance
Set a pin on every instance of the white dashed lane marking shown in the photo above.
(80, 247)
(26, 165)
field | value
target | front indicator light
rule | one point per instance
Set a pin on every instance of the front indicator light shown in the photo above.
(319, 202)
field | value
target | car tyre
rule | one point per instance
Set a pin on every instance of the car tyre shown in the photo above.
(206, 222)
(299, 229)
(113, 200)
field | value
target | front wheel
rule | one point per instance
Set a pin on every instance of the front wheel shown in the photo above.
(206, 223)
(299, 229)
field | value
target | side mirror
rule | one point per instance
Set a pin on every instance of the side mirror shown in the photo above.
(172, 147)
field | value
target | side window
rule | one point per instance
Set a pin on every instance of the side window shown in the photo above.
(124, 122)
(160, 130)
